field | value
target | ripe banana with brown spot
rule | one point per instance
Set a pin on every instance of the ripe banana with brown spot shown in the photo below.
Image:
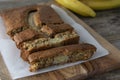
(77, 7)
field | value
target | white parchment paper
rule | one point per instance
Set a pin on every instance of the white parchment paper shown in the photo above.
(18, 68)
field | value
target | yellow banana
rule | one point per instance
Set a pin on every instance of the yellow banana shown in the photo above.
(77, 7)
(102, 4)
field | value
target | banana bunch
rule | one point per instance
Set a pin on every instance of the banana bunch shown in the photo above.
(87, 7)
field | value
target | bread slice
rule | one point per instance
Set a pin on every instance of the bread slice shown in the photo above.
(52, 29)
(60, 55)
(65, 38)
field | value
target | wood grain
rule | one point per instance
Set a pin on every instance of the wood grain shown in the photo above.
(80, 71)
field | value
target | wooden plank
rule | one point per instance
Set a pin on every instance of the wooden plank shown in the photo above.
(80, 71)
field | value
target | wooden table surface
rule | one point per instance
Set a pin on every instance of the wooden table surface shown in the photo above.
(106, 23)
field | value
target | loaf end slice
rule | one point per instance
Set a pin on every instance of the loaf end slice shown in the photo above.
(60, 55)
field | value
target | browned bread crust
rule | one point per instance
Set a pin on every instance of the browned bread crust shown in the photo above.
(60, 55)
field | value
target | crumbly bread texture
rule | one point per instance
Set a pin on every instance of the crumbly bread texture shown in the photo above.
(60, 55)
(65, 38)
